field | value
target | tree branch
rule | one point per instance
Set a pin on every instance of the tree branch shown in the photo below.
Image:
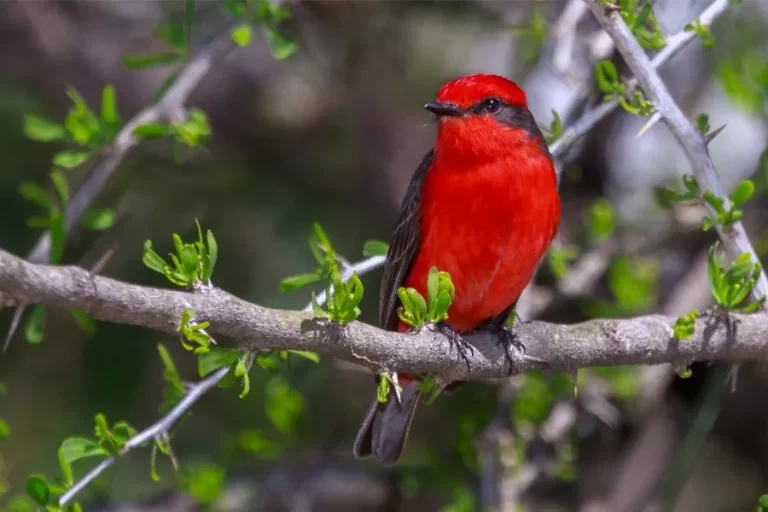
(641, 340)
(688, 136)
(159, 429)
(674, 44)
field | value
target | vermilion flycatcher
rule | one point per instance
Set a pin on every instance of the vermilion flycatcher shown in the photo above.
(483, 206)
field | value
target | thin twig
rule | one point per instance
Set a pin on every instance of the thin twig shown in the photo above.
(158, 430)
(170, 107)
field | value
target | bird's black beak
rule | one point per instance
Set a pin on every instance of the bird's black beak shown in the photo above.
(444, 109)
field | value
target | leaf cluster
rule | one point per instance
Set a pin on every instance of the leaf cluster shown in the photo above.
(193, 264)
(641, 20)
(264, 14)
(732, 285)
(610, 84)
(343, 296)
(107, 442)
(415, 310)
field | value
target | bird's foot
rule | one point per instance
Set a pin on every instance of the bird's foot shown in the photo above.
(462, 346)
(509, 340)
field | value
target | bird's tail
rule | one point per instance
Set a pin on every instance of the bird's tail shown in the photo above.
(386, 425)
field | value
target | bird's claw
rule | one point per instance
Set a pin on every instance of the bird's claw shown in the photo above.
(455, 340)
(509, 340)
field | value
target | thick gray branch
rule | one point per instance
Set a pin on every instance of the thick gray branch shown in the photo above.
(641, 340)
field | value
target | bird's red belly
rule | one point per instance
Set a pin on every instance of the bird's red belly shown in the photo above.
(490, 242)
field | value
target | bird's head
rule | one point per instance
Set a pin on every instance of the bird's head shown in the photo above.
(483, 116)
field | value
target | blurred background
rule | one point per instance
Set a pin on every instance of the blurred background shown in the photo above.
(332, 133)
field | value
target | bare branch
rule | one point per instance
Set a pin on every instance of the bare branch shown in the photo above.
(641, 340)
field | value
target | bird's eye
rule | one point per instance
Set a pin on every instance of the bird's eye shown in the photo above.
(491, 105)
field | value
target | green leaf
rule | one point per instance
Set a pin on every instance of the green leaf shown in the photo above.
(43, 129)
(152, 131)
(284, 405)
(559, 259)
(153, 462)
(216, 358)
(190, 260)
(174, 390)
(98, 219)
(297, 281)
(84, 321)
(708, 223)
(266, 362)
(763, 501)
(743, 192)
(204, 482)
(76, 448)
(280, 46)
(753, 306)
(146, 60)
(242, 34)
(109, 105)
(5, 429)
(317, 309)
(121, 433)
(383, 389)
(432, 288)
(254, 441)
(70, 159)
(606, 76)
(101, 427)
(35, 330)
(194, 130)
(241, 370)
(61, 186)
(602, 220)
(152, 260)
(312, 356)
(38, 490)
(375, 248)
(234, 8)
(37, 194)
(213, 254)
(702, 123)
(175, 32)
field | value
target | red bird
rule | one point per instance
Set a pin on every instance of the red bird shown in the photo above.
(483, 206)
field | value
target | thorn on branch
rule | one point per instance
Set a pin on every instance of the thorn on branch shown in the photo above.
(711, 135)
(653, 121)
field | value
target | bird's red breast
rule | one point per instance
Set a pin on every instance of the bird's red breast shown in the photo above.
(489, 207)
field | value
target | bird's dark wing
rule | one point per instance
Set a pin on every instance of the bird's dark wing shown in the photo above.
(403, 247)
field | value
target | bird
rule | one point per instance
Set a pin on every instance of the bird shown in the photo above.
(483, 205)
